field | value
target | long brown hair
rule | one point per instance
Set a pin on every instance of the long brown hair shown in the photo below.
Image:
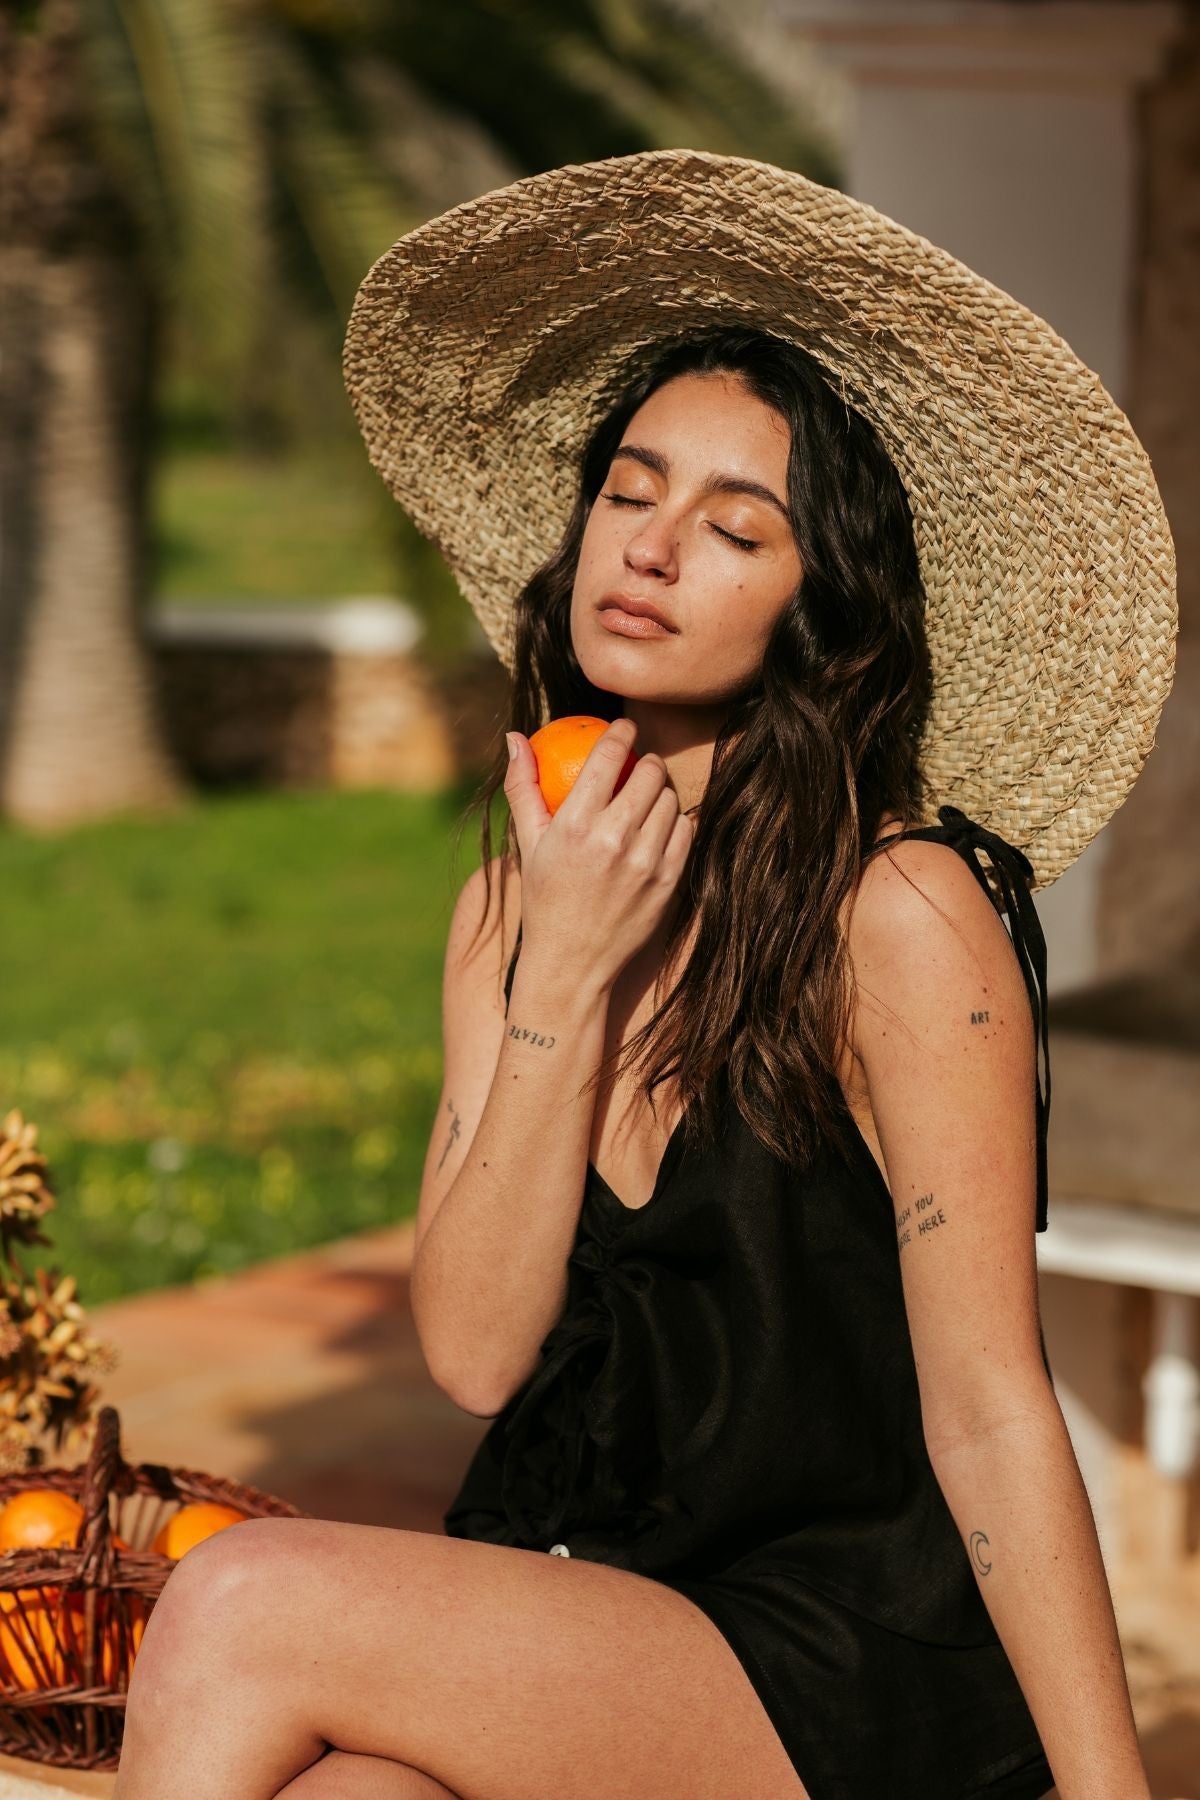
(814, 751)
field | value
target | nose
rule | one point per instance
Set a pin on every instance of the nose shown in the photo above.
(651, 548)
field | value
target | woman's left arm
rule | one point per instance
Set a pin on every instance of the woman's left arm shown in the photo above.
(944, 1032)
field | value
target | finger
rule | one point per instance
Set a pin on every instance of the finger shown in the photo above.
(677, 848)
(649, 780)
(593, 786)
(660, 820)
(526, 802)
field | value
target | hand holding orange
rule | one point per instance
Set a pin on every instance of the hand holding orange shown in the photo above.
(594, 886)
(560, 750)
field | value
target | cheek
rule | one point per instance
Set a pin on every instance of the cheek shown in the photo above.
(594, 541)
(738, 628)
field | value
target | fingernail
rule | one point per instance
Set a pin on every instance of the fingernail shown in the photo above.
(511, 741)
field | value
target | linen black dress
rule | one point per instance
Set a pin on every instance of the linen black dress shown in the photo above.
(729, 1405)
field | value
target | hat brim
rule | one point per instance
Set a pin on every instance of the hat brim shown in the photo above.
(484, 346)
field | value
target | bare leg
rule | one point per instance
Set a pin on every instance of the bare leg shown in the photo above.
(340, 1775)
(499, 1672)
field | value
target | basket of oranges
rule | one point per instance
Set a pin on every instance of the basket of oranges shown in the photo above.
(84, 1554)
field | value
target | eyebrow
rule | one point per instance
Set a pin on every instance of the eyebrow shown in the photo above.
(715, 483)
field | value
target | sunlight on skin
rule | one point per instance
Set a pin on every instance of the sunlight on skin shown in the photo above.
(664, 540)
(216, 1711)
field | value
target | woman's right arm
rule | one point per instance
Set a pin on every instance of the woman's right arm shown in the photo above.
(505, 1175)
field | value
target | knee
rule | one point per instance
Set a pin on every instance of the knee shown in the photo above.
(218, 1582)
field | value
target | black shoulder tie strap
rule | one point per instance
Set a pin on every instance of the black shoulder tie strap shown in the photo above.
(1014, 875)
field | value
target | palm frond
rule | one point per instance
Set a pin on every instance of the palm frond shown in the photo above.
(178, 100)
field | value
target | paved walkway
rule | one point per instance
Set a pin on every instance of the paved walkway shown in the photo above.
(304, 1377)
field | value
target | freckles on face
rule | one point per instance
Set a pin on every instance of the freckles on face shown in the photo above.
(691, 518)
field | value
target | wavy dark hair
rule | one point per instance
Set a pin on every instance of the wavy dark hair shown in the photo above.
(815, 750)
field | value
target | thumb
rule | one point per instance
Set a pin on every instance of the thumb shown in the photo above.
(526, 801)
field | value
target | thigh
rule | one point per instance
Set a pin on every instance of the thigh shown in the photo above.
(507, 1674)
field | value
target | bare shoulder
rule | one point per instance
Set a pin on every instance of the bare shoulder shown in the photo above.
(919, 923)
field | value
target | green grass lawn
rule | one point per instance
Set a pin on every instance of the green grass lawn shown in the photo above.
(226, 1025)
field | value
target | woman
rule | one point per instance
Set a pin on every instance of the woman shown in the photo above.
(757, 1325)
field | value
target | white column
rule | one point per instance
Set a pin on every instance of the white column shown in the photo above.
(1172, 1386)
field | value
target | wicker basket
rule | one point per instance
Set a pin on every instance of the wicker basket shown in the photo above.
(88, 1636)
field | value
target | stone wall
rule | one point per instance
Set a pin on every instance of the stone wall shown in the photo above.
(335, 696)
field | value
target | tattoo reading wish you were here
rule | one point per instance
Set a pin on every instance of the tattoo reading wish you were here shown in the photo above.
(924, 1213)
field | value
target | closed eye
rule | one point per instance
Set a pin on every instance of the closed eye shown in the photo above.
(743, 543)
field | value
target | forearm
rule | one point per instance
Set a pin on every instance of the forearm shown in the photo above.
(490, 1275)
(1018, 1499)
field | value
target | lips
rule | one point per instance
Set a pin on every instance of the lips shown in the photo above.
(638, 609)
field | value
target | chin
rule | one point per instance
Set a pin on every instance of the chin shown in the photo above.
(617, 672)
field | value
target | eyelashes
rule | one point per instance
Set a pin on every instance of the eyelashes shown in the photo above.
(743, 543)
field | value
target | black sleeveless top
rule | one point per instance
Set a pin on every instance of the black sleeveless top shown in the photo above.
(729, 1403)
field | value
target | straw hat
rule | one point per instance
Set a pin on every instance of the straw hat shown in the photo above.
(483, 347)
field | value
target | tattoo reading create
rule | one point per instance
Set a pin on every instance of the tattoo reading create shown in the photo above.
(927, 1220)
(532, 1037)
(455, 1130)
(978, 1540)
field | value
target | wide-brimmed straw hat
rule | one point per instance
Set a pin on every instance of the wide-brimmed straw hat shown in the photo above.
(484, 346)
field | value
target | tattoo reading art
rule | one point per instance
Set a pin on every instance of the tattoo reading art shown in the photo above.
(455, 1130)
(978, 1540)
(532, 1037)
(979, 1018)
(929, 1218)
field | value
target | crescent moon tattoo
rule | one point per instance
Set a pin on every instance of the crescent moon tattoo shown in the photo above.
(979, 1538)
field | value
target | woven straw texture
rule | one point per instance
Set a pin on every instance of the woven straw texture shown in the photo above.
(484, 346)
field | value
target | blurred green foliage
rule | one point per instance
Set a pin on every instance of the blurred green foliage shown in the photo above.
(233, 528)
(267, 155)
(226, 1025)
(234, 525)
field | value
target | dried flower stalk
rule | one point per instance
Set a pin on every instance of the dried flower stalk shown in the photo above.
(47, 1353)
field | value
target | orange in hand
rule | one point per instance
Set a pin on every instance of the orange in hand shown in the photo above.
(193, 1523)
(560, 750)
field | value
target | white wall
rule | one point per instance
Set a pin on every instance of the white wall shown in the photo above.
(1006, 134)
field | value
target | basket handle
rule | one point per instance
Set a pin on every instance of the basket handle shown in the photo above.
(106, 1470)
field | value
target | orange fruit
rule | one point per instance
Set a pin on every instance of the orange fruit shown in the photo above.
(560, 750)
(31, 1655)
(41, 1518)
(109, 1634)
(193, 1523)
(42, 1639)
(42, 1628)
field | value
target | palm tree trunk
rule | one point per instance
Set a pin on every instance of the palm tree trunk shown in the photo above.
(80, 731)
